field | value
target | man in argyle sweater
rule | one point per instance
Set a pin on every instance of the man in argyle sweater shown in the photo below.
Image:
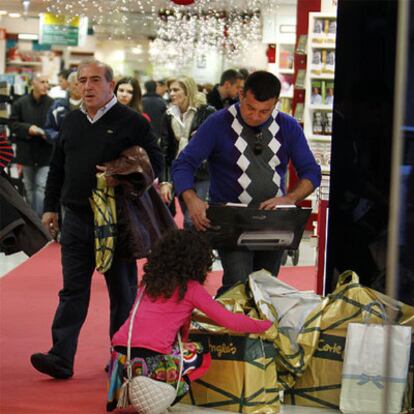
(248, 147)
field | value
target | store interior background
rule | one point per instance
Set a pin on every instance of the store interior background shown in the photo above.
(356, 223)
(336, 238)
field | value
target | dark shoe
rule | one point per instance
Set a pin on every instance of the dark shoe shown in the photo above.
(52, 365)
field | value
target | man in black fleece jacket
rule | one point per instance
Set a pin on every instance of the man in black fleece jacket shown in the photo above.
(27, 121)
(96, 133)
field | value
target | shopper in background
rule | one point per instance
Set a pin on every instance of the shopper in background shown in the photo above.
(248, 147)
(61, 89)
(61, 107)
(172, 287)
(162, 90)
(227, 92)
(187, 112)
(96, 133)
(27, 120)
(154, 105)
(128, 92)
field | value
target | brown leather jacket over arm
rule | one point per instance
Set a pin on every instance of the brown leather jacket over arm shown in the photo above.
(141, 214)
(133, 170)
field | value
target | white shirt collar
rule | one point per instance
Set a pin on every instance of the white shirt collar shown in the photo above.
(101, 111)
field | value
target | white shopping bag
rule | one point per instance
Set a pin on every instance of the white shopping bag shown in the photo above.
(364, 368)
(292, 306)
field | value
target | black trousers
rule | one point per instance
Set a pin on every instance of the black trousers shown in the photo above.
(78, 265)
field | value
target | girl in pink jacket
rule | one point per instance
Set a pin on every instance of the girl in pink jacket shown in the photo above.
(173, 281)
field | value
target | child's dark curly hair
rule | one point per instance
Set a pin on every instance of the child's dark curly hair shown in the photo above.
(179, 256)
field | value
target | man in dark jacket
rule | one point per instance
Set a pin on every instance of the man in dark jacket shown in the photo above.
(33, 151)
(154, 106)
(227, 92)
(91, 136)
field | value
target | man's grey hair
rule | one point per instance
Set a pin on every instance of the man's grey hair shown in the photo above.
(73, 76)
(109, 73)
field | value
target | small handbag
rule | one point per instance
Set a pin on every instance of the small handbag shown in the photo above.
(145, 394)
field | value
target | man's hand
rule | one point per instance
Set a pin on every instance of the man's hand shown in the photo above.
(302, 190)
(35, 130)
(110, 180)
(50, 221)
(197, 209)
(276, 201)
(166, 192)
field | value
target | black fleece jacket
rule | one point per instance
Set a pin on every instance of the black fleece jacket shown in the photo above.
(26, 111)
(82, 145)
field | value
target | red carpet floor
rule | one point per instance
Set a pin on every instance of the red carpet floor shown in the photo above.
(28, 299)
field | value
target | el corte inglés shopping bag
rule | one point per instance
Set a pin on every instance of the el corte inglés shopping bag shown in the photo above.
(242, 377)
(320, 384)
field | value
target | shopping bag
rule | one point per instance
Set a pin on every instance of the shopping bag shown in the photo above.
(242, 376)
(364, 373)
(288, 308)
(320, 384)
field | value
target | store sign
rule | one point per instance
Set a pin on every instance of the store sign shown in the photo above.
(59, 30)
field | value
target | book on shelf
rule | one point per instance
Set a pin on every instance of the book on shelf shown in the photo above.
(302, 44)
(316, 92)
(329, 61)
(317, 122)
(329, 94)
(298, 115)
(285, 105)
(286, 57)
(324, 30)
(300, 79)
(316, 62)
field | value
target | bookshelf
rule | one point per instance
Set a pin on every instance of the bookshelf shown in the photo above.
(319, 86)
(284, 70)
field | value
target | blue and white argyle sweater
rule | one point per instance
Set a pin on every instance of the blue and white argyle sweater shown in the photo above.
(237, 174)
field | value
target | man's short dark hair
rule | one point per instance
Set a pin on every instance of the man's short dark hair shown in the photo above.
(150, 86)
(230, 75)
(263, 85)
(64, 73)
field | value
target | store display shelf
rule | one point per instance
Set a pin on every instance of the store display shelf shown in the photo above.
(324, 138)
(321, 107)
(328, 76)
(23, 63)
(315, 45)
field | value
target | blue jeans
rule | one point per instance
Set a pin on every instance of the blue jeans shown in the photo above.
(34, 180)
(201, 188)
(238, 264)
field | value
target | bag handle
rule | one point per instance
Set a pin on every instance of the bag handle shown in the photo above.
(343, 278)
(368, 308)
(131, 325)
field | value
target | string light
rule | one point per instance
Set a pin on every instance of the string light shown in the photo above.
(182, 33)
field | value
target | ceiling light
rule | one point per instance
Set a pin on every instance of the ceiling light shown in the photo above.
(28, 36)
(3, 12)
(14, 15)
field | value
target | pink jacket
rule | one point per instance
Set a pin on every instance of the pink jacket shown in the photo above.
(158, 321)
